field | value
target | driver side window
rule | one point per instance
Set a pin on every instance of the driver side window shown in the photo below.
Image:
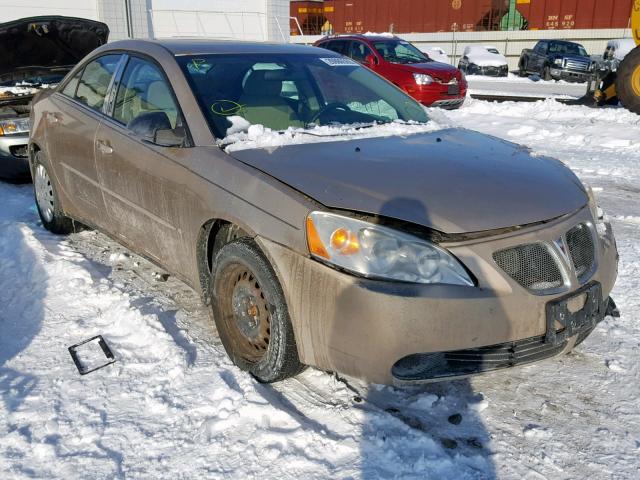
(359, 51)
(145, 102)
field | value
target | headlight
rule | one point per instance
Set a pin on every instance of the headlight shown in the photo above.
(599, 217)
(558, 61)
(14, 125)
(380, 252)
(423, 78)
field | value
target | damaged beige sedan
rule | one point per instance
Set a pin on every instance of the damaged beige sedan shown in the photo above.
(320, 213)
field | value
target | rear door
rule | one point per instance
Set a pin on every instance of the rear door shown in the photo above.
(71, 127)
(144, 189)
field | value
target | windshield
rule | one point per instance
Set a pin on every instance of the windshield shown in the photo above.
(300, 91)
(399, 51)
(568, 49)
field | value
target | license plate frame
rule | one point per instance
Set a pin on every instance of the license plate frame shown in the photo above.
(577, 322)
(453, 90)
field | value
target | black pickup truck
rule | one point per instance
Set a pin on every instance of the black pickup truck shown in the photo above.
(557, 60)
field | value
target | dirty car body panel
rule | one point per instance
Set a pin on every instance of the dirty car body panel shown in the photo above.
(522, 228)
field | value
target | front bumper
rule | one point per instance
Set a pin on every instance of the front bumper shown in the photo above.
(488, 71)
(363, 327)
(14, 159)
(569, 75)
(438, 95)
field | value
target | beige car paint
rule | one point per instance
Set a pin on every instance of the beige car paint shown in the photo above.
(161, 202)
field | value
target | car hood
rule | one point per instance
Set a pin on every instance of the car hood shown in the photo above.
(487, 59)
(47, 42)
(453, 180)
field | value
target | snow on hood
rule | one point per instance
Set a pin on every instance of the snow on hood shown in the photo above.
(451, 180)
(242, 135)
(482, 57)
(48, 42)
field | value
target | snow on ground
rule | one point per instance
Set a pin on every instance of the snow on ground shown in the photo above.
(173, 406)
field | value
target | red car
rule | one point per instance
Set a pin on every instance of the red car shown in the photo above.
(431, 83)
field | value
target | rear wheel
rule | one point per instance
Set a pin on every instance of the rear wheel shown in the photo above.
(628, 81)
(47, 198)
(251, 313)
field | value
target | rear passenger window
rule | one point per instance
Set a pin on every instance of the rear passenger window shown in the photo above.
(338, 46)
(95, 80)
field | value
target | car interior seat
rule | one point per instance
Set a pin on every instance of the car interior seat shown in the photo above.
(263, 104)
(159, 99)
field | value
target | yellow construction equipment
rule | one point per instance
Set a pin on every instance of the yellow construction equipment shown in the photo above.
(625, 82)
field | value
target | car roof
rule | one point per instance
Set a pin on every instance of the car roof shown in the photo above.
(371, 37)
(204, 46)
(559, 41)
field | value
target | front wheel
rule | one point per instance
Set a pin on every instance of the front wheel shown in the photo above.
(47, 203)
(251, 313)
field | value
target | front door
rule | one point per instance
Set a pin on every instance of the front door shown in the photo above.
(144, 189)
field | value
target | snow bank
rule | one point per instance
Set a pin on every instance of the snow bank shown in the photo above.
(173, 406)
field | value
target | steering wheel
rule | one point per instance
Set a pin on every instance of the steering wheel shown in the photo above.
(328, 107)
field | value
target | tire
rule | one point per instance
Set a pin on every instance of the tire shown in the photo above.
(546, 73)
(628, 81)
(251, 314)
(47, 200)
(522, 69)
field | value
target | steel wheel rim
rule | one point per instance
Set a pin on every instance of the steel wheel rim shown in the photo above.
(247, 313)
(44, 193)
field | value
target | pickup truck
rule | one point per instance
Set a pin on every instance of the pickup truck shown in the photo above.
(557, 60)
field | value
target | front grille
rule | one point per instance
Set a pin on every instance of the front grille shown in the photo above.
(533, 266)
(576, 65)
(582, 250)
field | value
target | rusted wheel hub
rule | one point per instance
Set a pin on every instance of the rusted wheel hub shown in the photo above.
(249, 315)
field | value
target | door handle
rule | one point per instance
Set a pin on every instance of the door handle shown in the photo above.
(104, 147)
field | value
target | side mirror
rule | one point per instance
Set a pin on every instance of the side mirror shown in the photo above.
(169, 137)
(370, 60)
(146, 124)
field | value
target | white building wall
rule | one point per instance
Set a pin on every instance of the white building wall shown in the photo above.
(134, 23)
(258, 20)
(15, 9)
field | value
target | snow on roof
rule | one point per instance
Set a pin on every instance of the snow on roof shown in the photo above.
(384, 34)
